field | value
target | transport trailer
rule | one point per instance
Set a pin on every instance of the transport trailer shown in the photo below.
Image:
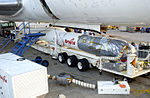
(84, 52)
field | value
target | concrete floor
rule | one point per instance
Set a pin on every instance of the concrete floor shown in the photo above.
(91, 76)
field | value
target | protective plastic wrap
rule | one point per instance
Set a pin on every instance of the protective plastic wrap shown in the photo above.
(101, 46)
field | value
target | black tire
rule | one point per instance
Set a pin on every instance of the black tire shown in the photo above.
(38, 60)
(72, 61)
(62, 57)
(45, 63)
(83, 65)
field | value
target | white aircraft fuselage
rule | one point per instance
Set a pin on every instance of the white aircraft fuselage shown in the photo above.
(77, 11)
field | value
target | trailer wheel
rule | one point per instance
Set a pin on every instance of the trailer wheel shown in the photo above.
(62, 57)
(72, 61)
(83, 65)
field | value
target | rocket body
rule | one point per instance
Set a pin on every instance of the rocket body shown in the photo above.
(100, 46)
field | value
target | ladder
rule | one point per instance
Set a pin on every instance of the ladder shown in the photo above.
(25, 43)
(15, 32)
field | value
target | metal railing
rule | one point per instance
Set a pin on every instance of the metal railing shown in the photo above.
(8, 40)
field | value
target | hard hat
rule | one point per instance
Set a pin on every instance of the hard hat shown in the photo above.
(132, 43)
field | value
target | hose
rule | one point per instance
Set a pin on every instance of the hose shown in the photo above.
(84, 84)
(64, 80)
